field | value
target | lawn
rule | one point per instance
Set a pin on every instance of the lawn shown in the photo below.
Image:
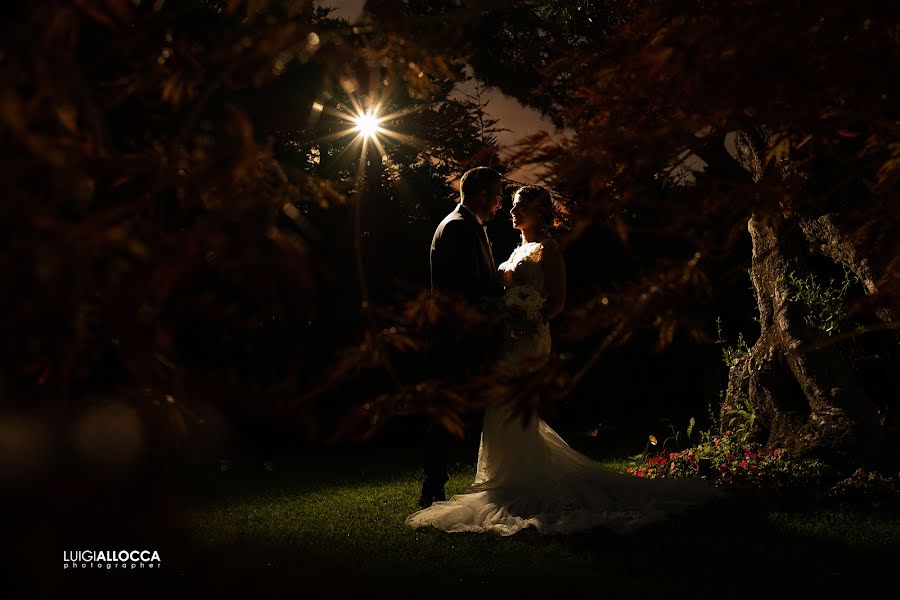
(335, 522)
(329, 523)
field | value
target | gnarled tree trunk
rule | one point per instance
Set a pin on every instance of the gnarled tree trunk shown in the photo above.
(806, 395)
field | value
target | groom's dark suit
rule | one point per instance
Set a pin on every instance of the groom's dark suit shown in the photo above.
(461, 258)
(461, 263)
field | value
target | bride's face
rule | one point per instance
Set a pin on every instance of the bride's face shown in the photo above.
(524, 214)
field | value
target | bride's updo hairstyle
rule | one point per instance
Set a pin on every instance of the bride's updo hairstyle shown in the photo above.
(539, 198)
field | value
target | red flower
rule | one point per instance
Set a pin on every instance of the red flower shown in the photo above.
(753, 468)
(691, 457)
(724, 467)
(728, 432)
(639, 473)
(717, 441)
(744, 464)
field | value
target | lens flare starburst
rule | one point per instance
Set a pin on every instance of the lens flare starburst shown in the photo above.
(368, 124)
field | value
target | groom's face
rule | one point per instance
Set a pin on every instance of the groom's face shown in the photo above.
(494, 199)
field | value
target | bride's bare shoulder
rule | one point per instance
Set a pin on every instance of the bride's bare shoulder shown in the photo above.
(549, 247)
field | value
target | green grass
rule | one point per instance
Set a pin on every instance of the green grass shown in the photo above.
(334, 522)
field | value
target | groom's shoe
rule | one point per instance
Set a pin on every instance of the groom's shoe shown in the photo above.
(426, 498)
(430, 495)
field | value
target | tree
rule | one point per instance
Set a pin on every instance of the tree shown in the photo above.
(807, 92)
(169, 175)
(656, 92)
(176, 222)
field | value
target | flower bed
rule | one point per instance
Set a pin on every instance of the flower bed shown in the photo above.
(736, 464)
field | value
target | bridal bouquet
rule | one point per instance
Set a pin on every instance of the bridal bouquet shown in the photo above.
(525, 348)
(524, 302)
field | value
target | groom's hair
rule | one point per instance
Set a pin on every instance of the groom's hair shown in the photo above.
(476, 180)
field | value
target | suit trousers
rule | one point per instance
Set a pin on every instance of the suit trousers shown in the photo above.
(439, 442)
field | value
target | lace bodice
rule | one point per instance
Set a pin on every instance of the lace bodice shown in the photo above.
(523, 267)
(526, 345)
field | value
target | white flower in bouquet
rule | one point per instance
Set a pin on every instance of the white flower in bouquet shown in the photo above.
(524, 301)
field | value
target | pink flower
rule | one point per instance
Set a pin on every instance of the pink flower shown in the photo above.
(639, 473)
(728, 432)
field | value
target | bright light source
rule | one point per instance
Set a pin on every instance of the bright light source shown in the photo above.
(367, 124)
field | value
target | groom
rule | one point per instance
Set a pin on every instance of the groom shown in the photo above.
(462, 263)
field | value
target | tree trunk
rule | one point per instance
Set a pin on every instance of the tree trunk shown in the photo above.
(826, 237)
(807, 398)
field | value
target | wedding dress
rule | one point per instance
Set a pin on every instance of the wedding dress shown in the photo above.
(529, 476)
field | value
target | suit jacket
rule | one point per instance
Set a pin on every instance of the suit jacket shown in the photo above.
(461, 260)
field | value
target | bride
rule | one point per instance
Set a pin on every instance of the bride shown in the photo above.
(528, 476)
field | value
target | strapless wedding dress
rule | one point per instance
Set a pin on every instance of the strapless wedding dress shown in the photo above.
(528, 476)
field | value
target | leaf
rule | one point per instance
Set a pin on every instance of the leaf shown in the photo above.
(172, 90)
(138, 248)
(622, 230)
(178, 419)
(804, 141)
(453, 424)
(666, 334)
(68, 117)
(12, 111)
(781, 149)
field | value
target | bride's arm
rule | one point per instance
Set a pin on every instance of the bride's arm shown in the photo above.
(554, 279)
